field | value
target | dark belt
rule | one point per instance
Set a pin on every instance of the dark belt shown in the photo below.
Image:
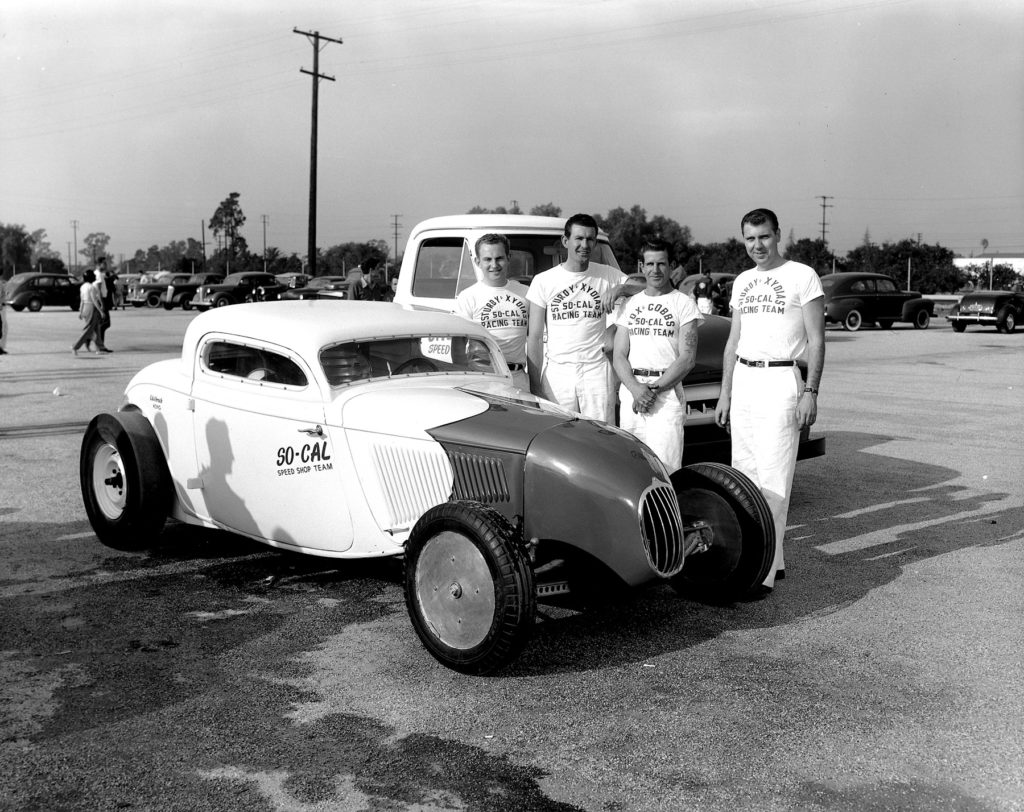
(517, 367)
(648, 371)
(763, 364)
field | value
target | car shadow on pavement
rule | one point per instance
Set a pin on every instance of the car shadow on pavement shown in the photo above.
(882, 515)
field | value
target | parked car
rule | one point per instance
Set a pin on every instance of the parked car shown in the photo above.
(236, 288)
(854, 299)
(149, 290)
(122, 283)
(1002, 309)
(723, 285)
(293, 280)
(181, 294)
(405, 431)
(38, 290)
(437, 265)
(316, 286)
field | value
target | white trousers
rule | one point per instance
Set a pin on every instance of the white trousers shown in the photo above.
(661, 428)
(581, 387)
(766, 437)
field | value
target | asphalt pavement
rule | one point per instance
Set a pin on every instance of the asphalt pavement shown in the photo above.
(210, 673)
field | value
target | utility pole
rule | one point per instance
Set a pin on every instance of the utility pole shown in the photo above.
(265, 220)
(314, 37)
(825, 205)
(202, 226)
(74, 225)
(395, 218)
(69, 259)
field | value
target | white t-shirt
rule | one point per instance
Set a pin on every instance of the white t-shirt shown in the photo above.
(502, 311)
(575, 311)
(654, 323)
(770, 305)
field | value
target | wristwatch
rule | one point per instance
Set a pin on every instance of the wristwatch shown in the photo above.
(811, 389)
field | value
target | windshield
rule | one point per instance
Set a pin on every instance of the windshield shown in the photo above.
(409, 355)
(325, 281)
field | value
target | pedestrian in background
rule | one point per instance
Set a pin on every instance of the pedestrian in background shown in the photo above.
(90, 311)
(778, 314)
(3, 317)
(105, 285)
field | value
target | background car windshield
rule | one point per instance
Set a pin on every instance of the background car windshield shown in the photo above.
(385, 358)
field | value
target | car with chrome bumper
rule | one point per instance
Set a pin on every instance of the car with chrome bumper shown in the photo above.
(404, 428)
(854, 299)
(1002, 309)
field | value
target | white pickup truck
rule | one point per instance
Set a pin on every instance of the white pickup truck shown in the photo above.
(437, 265)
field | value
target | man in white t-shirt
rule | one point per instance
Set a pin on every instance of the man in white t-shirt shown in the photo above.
(655, 348)
(778, 314)
(498, 304)
(571, 302)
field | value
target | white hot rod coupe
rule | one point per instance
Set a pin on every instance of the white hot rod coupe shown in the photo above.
(361, 429)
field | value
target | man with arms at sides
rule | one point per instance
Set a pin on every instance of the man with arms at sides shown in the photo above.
(778, 314)
(571, 302)
(655, 348)
(498, 304)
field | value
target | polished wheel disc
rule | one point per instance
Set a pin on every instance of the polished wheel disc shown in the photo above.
(455, 590)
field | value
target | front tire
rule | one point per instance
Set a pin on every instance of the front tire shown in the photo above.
(1006, 321)
(126, 486)
(922, 318)
(186, 303)
(221, 301)
(469, 587)
(853, 321)
(743, 546)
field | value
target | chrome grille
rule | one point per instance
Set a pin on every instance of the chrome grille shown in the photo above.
(481, 479)
(662, 529)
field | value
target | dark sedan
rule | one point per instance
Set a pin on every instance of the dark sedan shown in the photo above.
(1002, 309)
(34, 290)
(854, 299)
(316, 286)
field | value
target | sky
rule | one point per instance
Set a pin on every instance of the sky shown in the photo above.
(887, 118)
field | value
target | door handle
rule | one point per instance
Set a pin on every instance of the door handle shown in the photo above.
(316, 432)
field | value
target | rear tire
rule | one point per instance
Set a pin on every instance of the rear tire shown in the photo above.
(958, 326)
(469, 587)
(35, 305)
(1006, 321)
(125, 483)
(743, 547)
(853, 321)
(922, 318)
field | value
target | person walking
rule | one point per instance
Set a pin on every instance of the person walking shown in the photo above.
(778, 314)
(498, 304)
(570, 304)
(90, 310)
(3, 317)
(655, 348)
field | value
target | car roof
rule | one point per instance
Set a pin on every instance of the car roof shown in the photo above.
(501, 223)
(309, 325)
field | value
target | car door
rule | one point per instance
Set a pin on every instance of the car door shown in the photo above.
(266, 465)
(888, 300)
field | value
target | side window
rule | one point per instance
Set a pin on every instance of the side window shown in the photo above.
(886, 286)
(252, 364)
(862, 286)
(443, 268)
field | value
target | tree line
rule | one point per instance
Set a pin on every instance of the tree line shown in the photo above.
(931, 266)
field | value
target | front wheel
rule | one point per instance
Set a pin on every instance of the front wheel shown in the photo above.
(922, 318)
(153, 300)
(742, 548)
(853, 321)
(222, 301)
(186, 303)
(126, 486)
(1006, 321)
(469, 587)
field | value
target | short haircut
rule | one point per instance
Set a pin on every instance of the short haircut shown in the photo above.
(493, 239)
(759, 217)
(89, 276)
(585, 220)
(369, 264)
(654, 245)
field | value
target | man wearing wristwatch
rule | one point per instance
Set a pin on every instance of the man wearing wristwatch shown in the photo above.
(655, 348)
(778, 314)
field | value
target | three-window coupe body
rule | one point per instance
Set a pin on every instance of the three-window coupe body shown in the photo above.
(363, 429)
